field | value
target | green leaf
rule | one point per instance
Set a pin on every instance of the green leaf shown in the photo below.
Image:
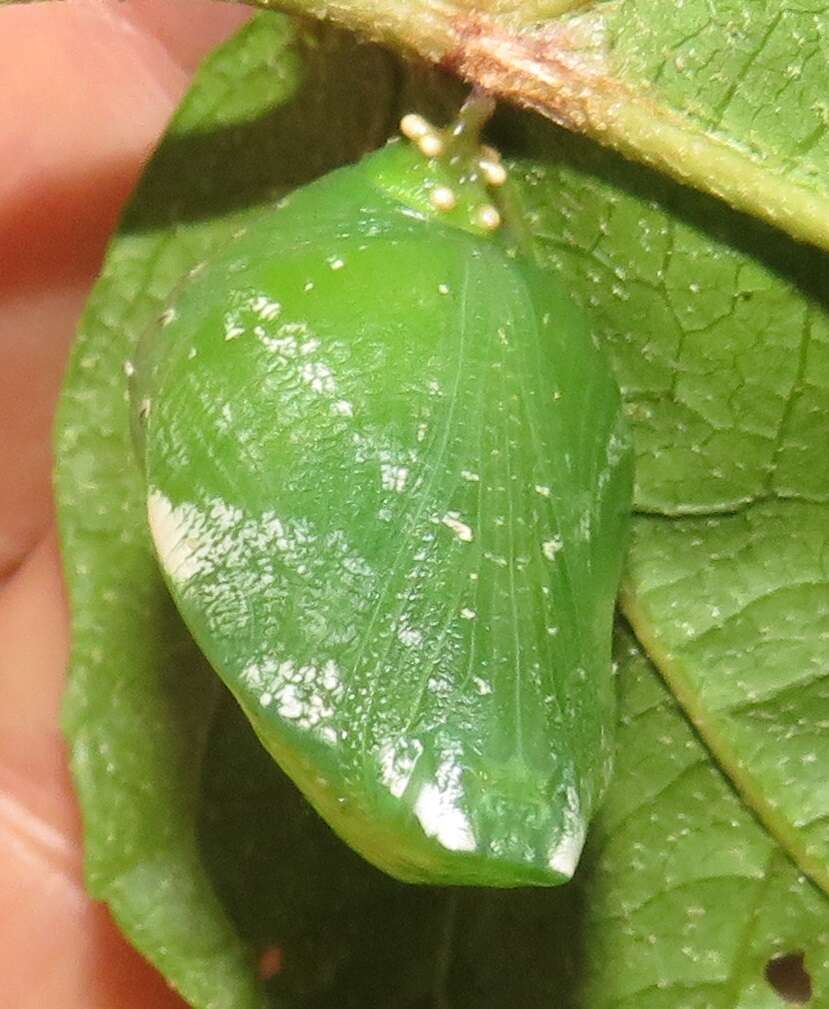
(717, 326)
(752, 72)
(687, 898)
(736, 611)
(719, 332)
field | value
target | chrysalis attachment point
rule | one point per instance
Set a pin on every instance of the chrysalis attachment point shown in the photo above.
(443, 198)
(493, 172)
(490, 153)
(488, 217)
(430, 145)
(414, 126)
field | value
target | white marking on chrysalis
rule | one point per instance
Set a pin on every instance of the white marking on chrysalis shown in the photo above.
(397, 764)
(393, 477)
(452, 521)
(410, 636)
(440, 818)
(551, 547)
(265, 308)
(565, 856)
(318, 376)
(172, 529)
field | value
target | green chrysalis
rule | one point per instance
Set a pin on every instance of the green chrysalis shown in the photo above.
(388, 481)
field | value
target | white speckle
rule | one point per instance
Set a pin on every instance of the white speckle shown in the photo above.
(441, 818)
(144, 408)
(129, 369)
(285, 344)
(232, 328)
(452, 521)
(410, 636)
(265, 699)
(290, 705)
(393, 477)
(309, 286)
(551, 547)
(552, 630)
(482, 686)
(565, 856)
(470, 476)
(397, 764)
(343, 408)
(422, 430)
(319, 377)
(197, 269)
(169, 314)
(336, 263)
(496, 559)
(542, 489)
(191, 353)
(174, 534)
(265, 308)
(226, 417)
(309, 346)
(468, 614)
(331, 675)
(443, 288)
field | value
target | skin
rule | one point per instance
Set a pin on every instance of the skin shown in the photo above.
(88, 87)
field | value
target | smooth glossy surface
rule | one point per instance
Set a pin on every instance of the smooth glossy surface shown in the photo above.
(388, 482)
